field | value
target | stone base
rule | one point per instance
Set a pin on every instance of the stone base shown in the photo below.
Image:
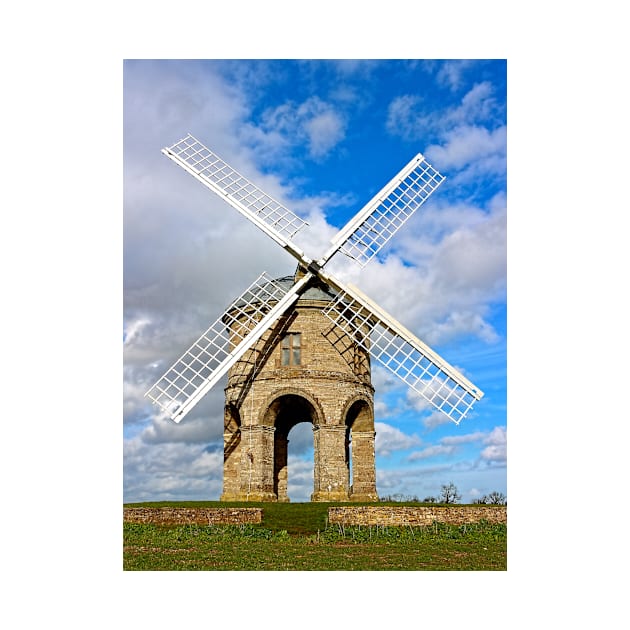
(267, 497)
(371, 497)
(329, 497)
(230, 497)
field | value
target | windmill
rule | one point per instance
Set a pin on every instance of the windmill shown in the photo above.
(266, 300)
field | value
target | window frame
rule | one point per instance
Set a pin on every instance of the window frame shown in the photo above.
(291, 350)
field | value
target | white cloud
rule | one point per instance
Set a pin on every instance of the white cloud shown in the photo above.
(496, 449)
(466, 438)
(436, 419)
(450, 72)
(477, 104)
(135, 406)
(133, 328)
(460, 324)
(473, 258)
(191, 430)
(416, 402)
(389, 439)
(439, 281)
(300, 478)
(424, 481)
(482, 148)
(160, 472)
(301, 439)
(404, 118)
(411, 119)
(315, 239)
(324, 131)
(432, 451)
(469, 141)
(383, 380)
(314, 121)
(495, 443)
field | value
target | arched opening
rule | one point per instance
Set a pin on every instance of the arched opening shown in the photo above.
(359, 449)
(285, 413)
(300, 462)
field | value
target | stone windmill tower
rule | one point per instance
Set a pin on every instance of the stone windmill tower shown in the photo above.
(297, 349)
(302, 370)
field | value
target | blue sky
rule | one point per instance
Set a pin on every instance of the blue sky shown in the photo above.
(323, 137)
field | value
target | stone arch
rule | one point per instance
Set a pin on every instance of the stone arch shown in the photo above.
(285, 410)
(359, 413)
(265, 417)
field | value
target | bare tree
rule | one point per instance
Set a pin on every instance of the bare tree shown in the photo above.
(497, 498)
(449, 494)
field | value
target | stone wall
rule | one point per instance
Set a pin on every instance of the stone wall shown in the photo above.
(190, 516)
(396, 516)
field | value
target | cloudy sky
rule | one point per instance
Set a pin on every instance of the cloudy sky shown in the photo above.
(322, 137)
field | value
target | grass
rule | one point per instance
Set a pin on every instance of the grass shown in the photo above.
(296, 537)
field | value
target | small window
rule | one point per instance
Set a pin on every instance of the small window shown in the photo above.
(291, 349)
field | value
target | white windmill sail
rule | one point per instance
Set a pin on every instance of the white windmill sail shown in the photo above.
(244, 322)
(264, 211)
(402, 353)
(212, 355)
(368, 231)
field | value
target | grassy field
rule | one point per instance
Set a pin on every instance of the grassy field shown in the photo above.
(296, 537)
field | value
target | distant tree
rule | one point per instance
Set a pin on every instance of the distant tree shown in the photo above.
(481, 500)
(449, 494)
(497, 498)
(429, 500)
(397, 498)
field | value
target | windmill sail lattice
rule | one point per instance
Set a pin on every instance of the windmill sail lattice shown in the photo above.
(263, 210)
(374, 225)
(219, 347)
(403, 354)
(254, 312)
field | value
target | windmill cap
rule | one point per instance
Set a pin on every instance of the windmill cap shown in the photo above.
(317, 292)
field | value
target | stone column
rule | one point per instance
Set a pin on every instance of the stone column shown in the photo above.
(331, 470)
(256, 474)
(363, 467)
(231, 465)
(280, 467)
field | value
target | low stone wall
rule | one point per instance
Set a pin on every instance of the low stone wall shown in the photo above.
(398, 516)
(190, 516)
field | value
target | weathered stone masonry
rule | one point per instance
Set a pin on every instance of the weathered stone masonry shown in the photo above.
(397, 516)
(390, 516)
(328, 386)
(190, 516)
